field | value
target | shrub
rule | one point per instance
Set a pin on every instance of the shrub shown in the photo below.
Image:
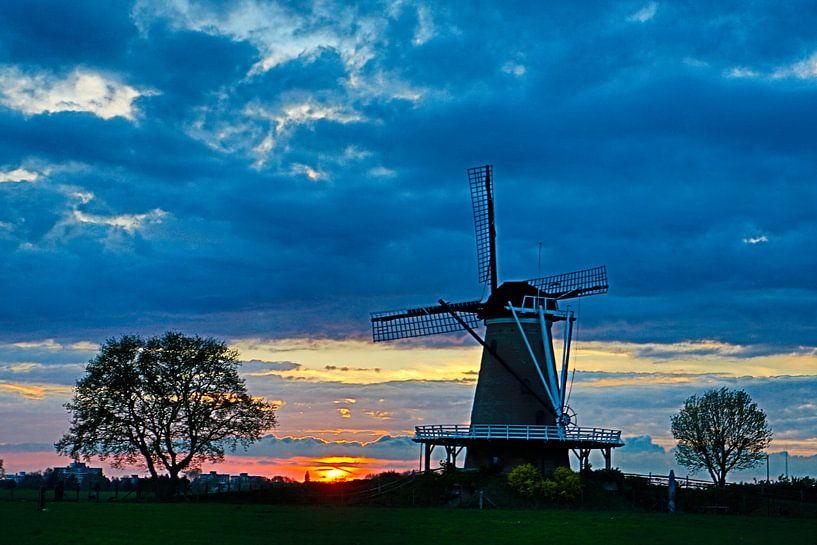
(549, 490)
(525, 480)
(568, 484)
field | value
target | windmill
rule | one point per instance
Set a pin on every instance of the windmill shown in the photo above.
(520, 412)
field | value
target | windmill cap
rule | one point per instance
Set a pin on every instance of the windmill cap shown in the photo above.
(513, 292)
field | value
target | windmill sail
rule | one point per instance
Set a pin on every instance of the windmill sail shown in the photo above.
(482, 199)
(422, 321)
(591, 281)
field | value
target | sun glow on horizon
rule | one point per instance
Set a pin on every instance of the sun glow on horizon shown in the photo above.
(334, 475)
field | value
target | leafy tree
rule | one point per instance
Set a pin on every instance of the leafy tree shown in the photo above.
(167, 403)
(720, 430)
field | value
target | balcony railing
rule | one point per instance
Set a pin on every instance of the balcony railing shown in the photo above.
(529, 433)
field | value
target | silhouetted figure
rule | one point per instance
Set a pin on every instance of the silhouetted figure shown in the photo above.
(59, 491)
(41, 499)
(672, 488)
(97, 489)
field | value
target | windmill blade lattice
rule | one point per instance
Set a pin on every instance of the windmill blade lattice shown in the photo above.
(482, 199)
(591, 281)
(422, 321)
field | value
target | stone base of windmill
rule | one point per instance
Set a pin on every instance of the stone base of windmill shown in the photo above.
(503, 456)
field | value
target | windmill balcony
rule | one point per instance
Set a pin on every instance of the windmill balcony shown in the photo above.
(571, 434)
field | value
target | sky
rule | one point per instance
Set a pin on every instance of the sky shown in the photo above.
(270, 173)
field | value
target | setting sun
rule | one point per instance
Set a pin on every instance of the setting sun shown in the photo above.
(334, 474)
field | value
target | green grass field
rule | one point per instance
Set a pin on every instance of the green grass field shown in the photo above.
(181, 524)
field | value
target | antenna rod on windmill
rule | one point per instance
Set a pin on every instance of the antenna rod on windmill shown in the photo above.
(489, 189)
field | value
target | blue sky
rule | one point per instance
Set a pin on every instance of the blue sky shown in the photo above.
(270, 173)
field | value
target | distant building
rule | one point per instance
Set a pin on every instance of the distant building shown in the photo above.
(222, 482)
(16, 477)
(243, 481)
(81, 472)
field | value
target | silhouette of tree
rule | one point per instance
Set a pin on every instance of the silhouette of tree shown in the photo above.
(168, 403)
(720, 430)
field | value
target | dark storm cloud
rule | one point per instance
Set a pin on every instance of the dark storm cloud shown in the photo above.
(296, 196)
(258, 366)
(58, 32)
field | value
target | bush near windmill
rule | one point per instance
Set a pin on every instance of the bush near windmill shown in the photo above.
(528, 482)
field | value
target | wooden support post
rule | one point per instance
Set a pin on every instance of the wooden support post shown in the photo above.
(428, 449)
(584, 458)
(608, 458)
(450, 457)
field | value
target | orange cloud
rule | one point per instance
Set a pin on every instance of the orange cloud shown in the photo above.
(382, 415)
(35, 392)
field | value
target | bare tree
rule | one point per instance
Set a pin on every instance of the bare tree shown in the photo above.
(721, 430)
(168, 403)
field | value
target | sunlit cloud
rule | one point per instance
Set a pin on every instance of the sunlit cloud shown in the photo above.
(35, 392)
(308, 171)
(127, 222)
(47, 344)
(319, 359)
(637, 379)
(705, 356)
(345, 412)
(81, 90)
(385, 83)
(300, 113)
(261, 128)
(385, 362)
(279, 34)
(84, 197)
(803, 69)
(514, 68)
(644, 14)
(739, 72)
(53, 345)
(756, 240)
(382, 415)
(18, 175)
(382, 172)
(424, 31)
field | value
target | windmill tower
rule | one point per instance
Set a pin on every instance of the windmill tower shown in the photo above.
(520, 411)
